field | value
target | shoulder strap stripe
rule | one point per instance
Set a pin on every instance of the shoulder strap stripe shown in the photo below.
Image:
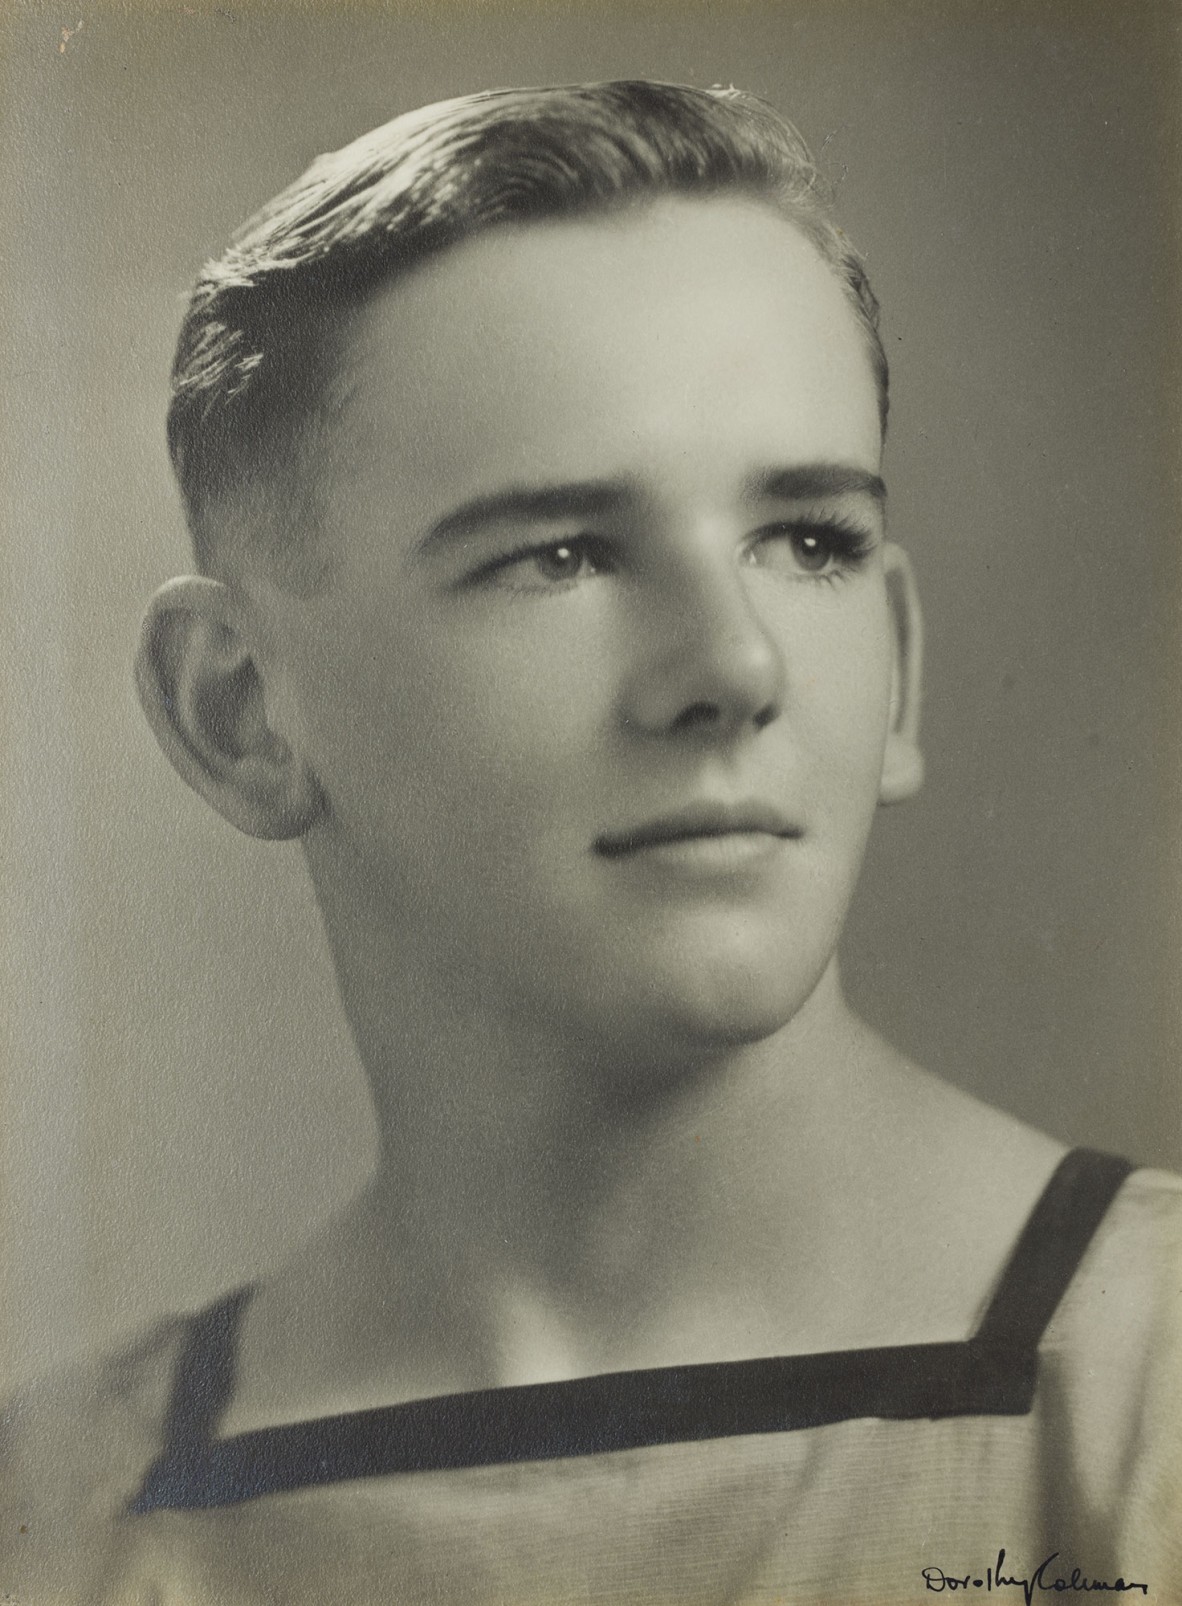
(1050, 1248)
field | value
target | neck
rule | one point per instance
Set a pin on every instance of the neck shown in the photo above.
(578, 1186)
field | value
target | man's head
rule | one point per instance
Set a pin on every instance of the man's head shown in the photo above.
(258, 379)
(612, 662)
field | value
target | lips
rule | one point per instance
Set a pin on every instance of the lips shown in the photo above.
(698, 822)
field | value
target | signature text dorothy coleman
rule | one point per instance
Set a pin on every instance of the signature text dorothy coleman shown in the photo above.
(1044, 1577)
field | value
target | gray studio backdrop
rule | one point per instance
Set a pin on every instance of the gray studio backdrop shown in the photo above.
(181, 1097)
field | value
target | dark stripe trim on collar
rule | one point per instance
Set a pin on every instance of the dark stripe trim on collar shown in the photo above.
(588, 1416)
(994, 1373)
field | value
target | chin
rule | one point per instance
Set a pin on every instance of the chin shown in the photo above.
(701, 1011)
(730, 1017)
(662, 1051)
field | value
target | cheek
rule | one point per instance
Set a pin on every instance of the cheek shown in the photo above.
(844, 697)
(449, 733)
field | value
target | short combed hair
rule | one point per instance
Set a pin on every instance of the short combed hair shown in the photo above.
(257, 353)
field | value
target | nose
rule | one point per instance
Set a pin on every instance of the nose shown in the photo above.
(708, 663)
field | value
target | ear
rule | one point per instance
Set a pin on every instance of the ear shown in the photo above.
(202, 693)
(902, 762)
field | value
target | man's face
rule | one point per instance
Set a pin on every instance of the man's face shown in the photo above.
(598, 690)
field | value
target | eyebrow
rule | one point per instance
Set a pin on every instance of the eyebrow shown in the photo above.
(815, 482)
(530, 504)
(541, 504)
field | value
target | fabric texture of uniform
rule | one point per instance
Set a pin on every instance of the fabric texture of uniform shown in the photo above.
(1052, 1435)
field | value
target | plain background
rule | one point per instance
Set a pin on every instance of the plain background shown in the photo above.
(181, 1101)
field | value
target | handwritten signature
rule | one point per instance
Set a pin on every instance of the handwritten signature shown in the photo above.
(937, 1580)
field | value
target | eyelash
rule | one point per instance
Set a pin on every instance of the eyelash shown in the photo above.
(588, 547)
(845, 547)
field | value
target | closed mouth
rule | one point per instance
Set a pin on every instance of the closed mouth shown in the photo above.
(698, 823)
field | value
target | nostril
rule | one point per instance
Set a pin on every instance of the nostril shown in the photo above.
(696, 715)
(703, 716)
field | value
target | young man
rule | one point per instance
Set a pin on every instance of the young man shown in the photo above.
(532, 452)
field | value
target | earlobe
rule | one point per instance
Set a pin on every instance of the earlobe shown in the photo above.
(902, 764)
(202, 693)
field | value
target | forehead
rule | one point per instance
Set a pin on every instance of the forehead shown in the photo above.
(686, 335)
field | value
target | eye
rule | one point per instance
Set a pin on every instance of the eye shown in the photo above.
(549, 567)
(824, 548)
(567, 560)
(814, 550)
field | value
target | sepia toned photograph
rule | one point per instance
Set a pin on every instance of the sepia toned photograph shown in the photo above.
(592, 831)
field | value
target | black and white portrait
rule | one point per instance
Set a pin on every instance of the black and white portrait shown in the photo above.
(591, 833)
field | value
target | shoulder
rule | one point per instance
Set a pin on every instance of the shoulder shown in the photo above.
(1112, 1356)
(1127, 1292)
(73, 1450)
(1123, 1310)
